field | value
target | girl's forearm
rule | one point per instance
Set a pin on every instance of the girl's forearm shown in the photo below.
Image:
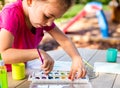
(65, 42)
(70, 48)
(19, 55)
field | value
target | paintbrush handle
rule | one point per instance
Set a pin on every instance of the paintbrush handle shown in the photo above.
(40, 55)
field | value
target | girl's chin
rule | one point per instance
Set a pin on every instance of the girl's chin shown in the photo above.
(38, 26)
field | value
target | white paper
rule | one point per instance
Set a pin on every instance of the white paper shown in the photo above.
(107, 67)
(58, 65)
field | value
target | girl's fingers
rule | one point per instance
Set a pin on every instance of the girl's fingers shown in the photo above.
(84, 73)
(49, 67)
(80, 73)
(72, 75)
(45, 64)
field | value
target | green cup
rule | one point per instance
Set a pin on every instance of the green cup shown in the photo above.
(111, 55)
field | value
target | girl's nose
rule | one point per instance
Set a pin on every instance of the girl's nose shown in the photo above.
(49, 22)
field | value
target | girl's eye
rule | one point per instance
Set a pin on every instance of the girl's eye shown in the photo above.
(46, 17)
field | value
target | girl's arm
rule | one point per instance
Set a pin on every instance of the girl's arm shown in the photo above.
(12, 55)
(69, 47)
(64, 42)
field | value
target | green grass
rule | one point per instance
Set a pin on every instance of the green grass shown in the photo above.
(74, 10)
(106, 7)
(71, 12)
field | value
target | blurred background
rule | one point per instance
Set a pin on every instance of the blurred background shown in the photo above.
(84, 26)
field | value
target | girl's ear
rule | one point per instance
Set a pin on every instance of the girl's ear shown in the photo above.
(29, 2)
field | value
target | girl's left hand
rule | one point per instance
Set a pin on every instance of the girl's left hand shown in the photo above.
(48, 63)
(77, 69)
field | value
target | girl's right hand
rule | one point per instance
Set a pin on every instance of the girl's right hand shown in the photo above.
(48, 63)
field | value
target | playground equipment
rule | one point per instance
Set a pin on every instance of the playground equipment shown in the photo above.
(95, 7)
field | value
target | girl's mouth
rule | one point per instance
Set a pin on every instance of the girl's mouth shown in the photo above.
(39, 26)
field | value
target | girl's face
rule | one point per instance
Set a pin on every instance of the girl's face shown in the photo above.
(44, 13)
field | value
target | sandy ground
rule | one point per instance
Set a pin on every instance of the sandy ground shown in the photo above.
(85, 33)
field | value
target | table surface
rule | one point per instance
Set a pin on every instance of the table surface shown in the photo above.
(102, 80)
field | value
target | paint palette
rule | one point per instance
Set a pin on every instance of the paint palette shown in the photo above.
(55, 76)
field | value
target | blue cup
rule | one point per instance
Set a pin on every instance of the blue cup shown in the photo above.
(111, 55)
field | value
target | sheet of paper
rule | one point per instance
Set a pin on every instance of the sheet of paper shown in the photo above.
(62, 65)
(107, 67)
(58, 65)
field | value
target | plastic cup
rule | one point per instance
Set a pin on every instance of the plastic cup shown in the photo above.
(111, 55)
(18, 71)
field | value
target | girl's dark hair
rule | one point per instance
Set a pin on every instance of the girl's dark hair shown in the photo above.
(66, 4)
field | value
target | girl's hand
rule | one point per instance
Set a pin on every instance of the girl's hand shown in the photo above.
(48, 63)
(77, 69)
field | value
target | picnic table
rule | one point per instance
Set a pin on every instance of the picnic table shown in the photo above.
(103, 80)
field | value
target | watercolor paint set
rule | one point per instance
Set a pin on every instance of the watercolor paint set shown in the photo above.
(55, 76)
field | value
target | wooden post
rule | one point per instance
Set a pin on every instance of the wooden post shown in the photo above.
(115, 7)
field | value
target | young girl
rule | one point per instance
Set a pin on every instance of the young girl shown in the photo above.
(22, 25)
